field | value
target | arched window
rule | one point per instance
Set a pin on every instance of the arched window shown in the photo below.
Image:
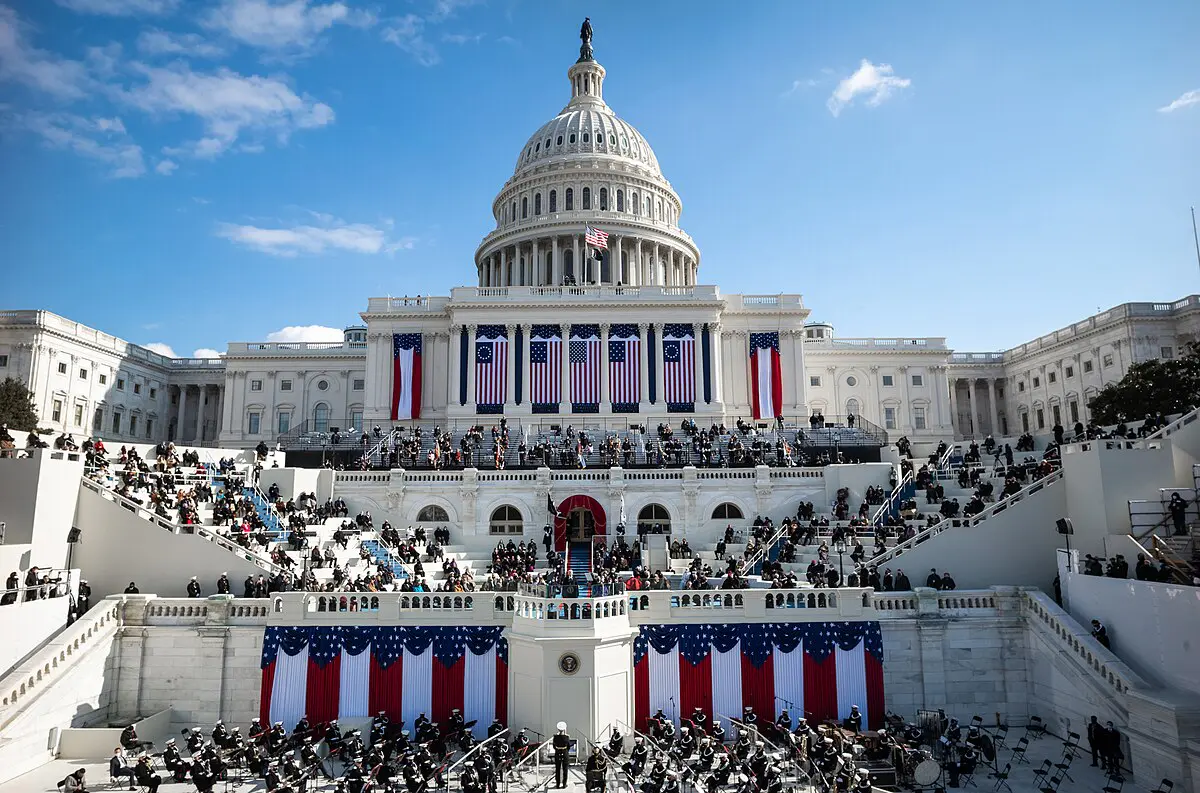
(587, 198)
(654, 517)
(570, 199)
(851, 407)
(569, 263)
(432, 514)
(553, 200)
(659, 214)
(572, 138)
(558, 142)
(506, 520)
(512, 213)
(633, 203)
(727, 511)
(620, 200)
(321, 417)
(524, 207)
(586, 137)
(604, 198)
(537, 204)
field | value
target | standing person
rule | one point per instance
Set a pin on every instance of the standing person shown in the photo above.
(1110, 755)
(562, 743)
(1095, 739)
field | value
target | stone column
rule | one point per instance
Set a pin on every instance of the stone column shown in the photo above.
(505, 268)
(643, 366)
(200, 400)
(614, 260)
(564, 406)
(455, 359)
(658, 366)
(471, 367)
(953, 382)
(182, 413)
(536, 278)
(637, 255)
(698, 364)
(510, 392)
(526, 329)
(555, 263)
(605, 392)
(227, 411)
(972, 384)
(220, 411)
(995, 425)
(575, 263)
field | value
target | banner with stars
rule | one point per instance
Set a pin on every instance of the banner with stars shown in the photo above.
(766, 376)
(336, 672)
(406, 376)
(818, 670)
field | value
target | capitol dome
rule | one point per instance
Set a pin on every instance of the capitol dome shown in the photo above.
(587, 168)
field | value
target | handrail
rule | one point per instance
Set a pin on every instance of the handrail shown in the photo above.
(200, 530)
(943, 462)
(1160, 550)
(533, 755)
(889, 503)
(947, 523)
(760, 556)
(1174, 426)
(475, 749)
(62, 586)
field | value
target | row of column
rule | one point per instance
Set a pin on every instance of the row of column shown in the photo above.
(203, 397)
(976, 421)
(631, 263)
(605, 386)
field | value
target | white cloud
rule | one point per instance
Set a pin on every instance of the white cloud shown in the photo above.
(206, 352)
(228, 103)
(408, 33)
(1186, 99)
(188, 45)
(97, 138)
(875, 82)
(275, 25)
(329, 234)
(38, 69)
(444, 9)
(462, 38)
(161, 348)
(166, 167)
(120, 7)
(306, 333)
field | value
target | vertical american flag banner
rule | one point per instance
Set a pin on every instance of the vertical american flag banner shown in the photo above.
(584, 352)
(766, 376)
(679, 367)
(545, 368)
(341, 672)
(818, 670)
(491, 368)
(406, 376)
(624, 368)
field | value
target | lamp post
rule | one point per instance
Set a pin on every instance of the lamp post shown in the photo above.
(840, 547)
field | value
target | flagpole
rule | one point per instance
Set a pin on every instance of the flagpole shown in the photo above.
(1195, 237)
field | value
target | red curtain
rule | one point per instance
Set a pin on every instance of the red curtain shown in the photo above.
(820, 688)
(264, 696)
(323, 689)
(560, 519)
(501, 690)
(758, 688)
(449, 689)
(695, 687)
(641, 694)
(875, 706)
(385, 688)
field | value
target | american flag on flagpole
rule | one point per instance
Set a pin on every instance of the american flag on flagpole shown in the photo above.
(595, 237)
(545, 365)
(624, 366)
(585, 364)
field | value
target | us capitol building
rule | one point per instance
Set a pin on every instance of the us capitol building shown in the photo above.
(661, 342)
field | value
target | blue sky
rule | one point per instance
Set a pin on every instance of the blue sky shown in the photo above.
(194, 173)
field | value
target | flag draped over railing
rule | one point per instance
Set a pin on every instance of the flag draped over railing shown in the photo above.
(336, 672)
(491, 368)
(819, 668)
(766, 378)
(625, 368)
(406, 376)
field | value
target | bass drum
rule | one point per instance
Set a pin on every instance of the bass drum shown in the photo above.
(927, 772)
(987, 748)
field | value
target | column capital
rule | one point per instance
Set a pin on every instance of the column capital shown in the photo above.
(510, 328)
(456, 328)
(526, 328)
(565, 329)
(604, 326)
(643, 327)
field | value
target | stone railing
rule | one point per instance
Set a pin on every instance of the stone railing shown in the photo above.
(23, 683)
(438, 608)
(1056, 626)
(570, 609)
(931, 343)
(601, 293)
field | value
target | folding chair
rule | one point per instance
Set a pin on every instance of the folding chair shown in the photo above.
(1042, 773)
(1113, 784)
(977, 721)
(1019, 751)
(967, 777)
(1052, 785)
(1166, 786)
(1000, 736)
(1001, 778)
(1072, 743)
(1036, 728)
(1064, 765)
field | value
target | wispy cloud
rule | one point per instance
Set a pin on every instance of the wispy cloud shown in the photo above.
(121, 8)
(291, 26)
(325, 234)
(166, 167)
(1187, 99)
(444, 9)
(462, 38)
(408, 33)
(875, 82)
(306, 333)
(42, 71)
(188, 45)
(97, 138)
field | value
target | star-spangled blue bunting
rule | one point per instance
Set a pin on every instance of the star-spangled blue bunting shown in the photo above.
(386, 643)
(678, 331)
(585, 331)
(758, 640)
(490, 332)
(545, 332)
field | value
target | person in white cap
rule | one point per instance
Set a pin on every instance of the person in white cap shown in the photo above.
(562, 744)
(193, 588)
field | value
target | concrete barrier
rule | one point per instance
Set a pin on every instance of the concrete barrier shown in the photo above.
(97, 743)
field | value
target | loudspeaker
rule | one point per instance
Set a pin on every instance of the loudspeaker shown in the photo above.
(73, 535)
(1064, 526)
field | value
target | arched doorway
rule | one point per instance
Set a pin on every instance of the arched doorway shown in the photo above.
(578, 519)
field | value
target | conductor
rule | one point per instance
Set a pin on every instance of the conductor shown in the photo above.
(562, 743)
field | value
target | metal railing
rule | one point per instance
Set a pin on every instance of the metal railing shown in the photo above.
(59, 586)
(891, 504)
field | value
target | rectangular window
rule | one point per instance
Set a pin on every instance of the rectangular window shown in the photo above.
(1108, 361)
(285, 385)
(814, 381)
(356, 422)
(1087, 367)
(120, 383)
(1166, 352)
(887, 380)
(3, 361)
(918, 380)
(255, 419)
(1041, 419)
(1021, 387)
(116, 425)
(137, 388)
(79, 415)
(1052, 377)
(56, 415)
(1000, 392)
(154, 393)
(149, 428)
(1037, 382)
(359, 385)
(256, 385)
(62, 368)
(1024, 422)
(103, 379)
(1056, 411)
(889, 418)
(1074, 407)
(285, 422)
(98, 419)
(133, 425)
(1070, 372)
(918, 418)
(83, 374)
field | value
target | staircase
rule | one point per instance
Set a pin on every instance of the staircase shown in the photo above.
(264, 509)
(382, 555)
(579, 560)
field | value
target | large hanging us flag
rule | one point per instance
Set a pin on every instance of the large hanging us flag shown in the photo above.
(406, 376)
(766, 377)
(818, 670)
(338, 672)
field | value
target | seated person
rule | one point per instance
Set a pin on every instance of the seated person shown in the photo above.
(118, 769)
